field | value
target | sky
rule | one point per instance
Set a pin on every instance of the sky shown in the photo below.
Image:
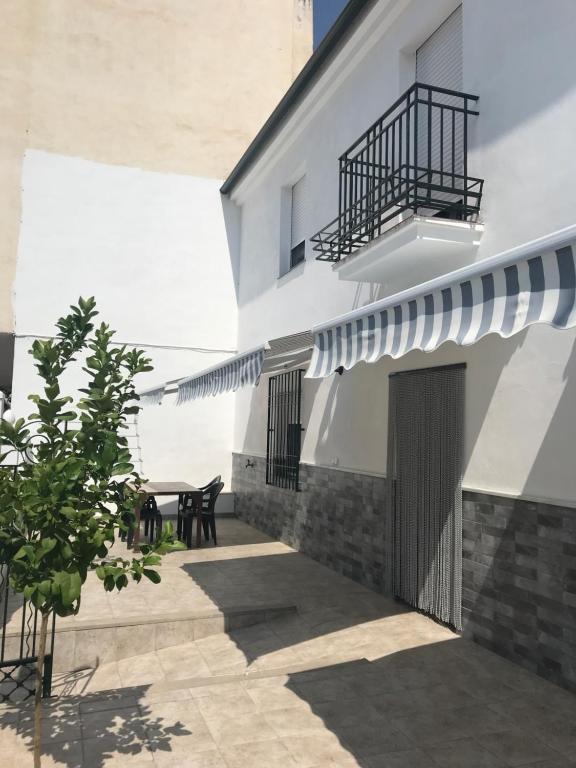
(325, 14)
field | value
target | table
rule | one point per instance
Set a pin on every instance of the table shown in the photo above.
(168, 489)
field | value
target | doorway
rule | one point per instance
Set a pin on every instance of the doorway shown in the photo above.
(425, 445)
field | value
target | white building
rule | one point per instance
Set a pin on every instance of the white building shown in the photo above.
(412, 421)
(123, 122)
(453, 484)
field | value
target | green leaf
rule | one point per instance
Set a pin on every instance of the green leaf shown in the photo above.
(122, 581)
(154, 576)
(60, 515)
(68, 416)
(152, 560)
(48, 545)
(123, 468)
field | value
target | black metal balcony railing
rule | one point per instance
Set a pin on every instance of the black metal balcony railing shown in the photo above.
(413, 158)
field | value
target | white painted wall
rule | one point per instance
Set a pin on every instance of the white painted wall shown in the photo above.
(518, 59)
(152, 248)
(520, 419)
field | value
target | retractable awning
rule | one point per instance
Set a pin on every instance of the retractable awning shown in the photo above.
(535, 283)
(242, 370)
(288, 353)
(153, 395)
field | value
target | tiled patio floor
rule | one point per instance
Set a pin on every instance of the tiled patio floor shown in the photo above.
(354, 679)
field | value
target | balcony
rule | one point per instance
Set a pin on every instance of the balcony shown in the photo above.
(410, 165)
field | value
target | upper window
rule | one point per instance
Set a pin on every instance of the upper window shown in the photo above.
(297, 212)
(439, 58)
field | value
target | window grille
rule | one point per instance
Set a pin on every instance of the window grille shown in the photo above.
(284, 430)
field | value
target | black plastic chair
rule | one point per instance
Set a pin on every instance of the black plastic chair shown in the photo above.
(211, 483)
(151, 516)
(207, 515)
(184, 504)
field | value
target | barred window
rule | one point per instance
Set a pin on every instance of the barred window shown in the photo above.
(284, 430)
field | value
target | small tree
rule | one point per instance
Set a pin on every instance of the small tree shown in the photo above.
(61, 512)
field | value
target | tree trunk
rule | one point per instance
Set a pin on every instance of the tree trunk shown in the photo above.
(38, 695)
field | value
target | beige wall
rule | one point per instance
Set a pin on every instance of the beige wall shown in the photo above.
(164, 85)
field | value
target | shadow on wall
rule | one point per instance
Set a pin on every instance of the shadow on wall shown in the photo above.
(558, 444)
(489, 359)
(232, 222)
(255, 430)
(6, 361)
(376, 291)
(347, 416)
(520, 559)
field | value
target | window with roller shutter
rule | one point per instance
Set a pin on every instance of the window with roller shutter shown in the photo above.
(297, 236)
(439, 63)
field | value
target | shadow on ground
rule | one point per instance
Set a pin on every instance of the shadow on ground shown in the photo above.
(91, 730)
(441, 704)
(326, 601)
(352, 679)
(370, 673)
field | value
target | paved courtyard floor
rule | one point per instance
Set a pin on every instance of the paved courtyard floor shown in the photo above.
(350, 679)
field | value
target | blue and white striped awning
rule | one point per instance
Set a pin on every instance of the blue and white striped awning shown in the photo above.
(535, 283)
(152, 396)
(240, 371)
(245, 369)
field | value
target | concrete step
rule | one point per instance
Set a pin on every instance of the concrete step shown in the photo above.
(90, 644)
(83, 681)
(267, 649)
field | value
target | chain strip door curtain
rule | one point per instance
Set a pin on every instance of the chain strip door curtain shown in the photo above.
(425, 442)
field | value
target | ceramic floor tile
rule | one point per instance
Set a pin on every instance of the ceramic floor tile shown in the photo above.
(140, 670)
(446, 725)
(186, 758)
(464, 752)
(371, 739)
(106, 751)
(179, 739)
(310, 750)
(352, 679)
(231, 704)
(516, 747)
(242, 729)
(294, 721)
(411, 758)
(271, 697)
(261, 754)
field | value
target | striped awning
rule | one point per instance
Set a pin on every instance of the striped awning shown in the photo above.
(288, 353)
(275, 356)
(152, 396)
(535, 283)
(240, 371)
